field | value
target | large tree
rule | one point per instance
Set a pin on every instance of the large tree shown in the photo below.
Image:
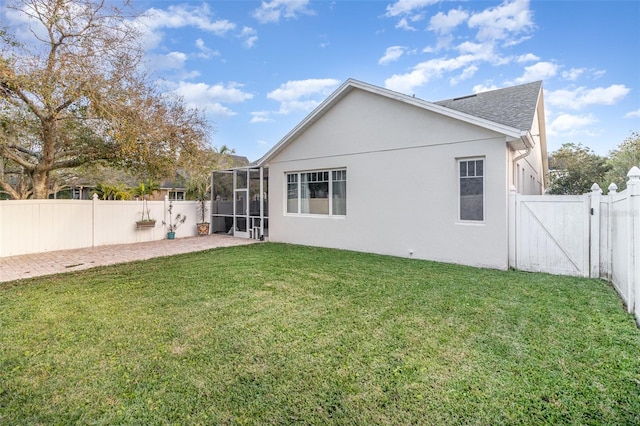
(574, 168)
(622, 159)
(77, 94)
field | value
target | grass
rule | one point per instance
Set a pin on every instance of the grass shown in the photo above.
(280, 334)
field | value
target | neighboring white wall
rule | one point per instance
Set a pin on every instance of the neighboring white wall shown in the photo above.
(35, 226)
(402, 183)
(528, 176)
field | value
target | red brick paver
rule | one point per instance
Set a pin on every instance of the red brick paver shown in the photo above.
(55, 262)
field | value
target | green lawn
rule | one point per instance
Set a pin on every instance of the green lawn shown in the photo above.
(280, 334)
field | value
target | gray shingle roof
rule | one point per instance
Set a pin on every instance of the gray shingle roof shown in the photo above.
(512, 106)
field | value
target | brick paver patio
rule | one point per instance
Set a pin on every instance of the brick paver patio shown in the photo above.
(55, 262)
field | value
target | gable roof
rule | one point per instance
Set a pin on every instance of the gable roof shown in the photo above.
(504, 114)
(513, 106)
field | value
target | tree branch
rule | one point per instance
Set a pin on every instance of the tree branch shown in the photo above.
(16, 158)
(9, 189)
(25, 151)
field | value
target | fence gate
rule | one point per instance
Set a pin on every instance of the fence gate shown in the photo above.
(552, 234)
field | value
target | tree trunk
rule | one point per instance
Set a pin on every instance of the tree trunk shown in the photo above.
(40, 182)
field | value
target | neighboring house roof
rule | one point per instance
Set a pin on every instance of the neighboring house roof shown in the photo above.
(171, 185)
(513, 106)
(238, 160)
(508, 111)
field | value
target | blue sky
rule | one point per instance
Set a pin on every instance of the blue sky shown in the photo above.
(257, 68)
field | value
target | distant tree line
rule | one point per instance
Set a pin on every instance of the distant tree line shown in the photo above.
(574, 168)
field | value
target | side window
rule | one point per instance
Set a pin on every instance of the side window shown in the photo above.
(321, 193)
(292, 193)
(339, 192)
(471, 189)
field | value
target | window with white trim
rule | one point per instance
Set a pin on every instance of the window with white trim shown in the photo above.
(176, 195)
(322, 192)
(471, 189)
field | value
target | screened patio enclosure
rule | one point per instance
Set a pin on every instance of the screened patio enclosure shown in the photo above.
(239, 204)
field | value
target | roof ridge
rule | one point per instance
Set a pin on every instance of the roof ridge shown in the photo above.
(538, 82)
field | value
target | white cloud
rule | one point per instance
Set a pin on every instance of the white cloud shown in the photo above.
(260, 117)
(405, 7)
(538, 71)
(581, 97)
(169, 61)
(598, 74)
(443, 43)
(302, 95)
(403, 24)
(573, 73)
(496, 27)
(529, 57)
(481, 52)
(205, 52)
(570, 124)
(632, 114)
(249, 35)
(425, 71)
(515, 41)
(467, 73)
(272, 11)
(392, 54)
(479, 88)
(174, 60)
(211, 98)
(153, 21)
(445, 23)
(499, 23)
(189, 75)
(409, 12)
(181, 16)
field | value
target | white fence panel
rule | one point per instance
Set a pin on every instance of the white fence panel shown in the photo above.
(619, 246)
(36, 226)
(634, 257)
(605, 253)
(33, 226)
(115, 222)
(58, 223)
(553, 234)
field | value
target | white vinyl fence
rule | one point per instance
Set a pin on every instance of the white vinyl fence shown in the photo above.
(35, 226)
(590, 235)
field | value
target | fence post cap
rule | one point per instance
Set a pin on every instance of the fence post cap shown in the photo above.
(634, 173)
(596, 188)
(613, 187)
(95, 196)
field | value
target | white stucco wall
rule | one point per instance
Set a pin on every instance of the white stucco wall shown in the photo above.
(402, 183)
(528, 177)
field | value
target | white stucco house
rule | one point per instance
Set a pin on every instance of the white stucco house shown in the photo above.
(377, 171)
